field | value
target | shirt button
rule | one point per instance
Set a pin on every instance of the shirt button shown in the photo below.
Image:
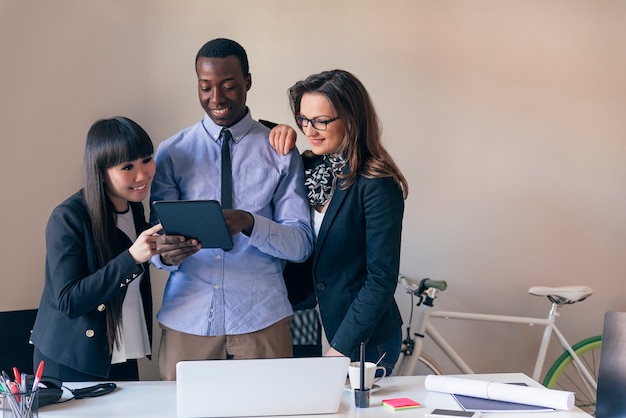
(101, 307)
(90, 333)
(217, 286)
(218, 257)
(320, 286)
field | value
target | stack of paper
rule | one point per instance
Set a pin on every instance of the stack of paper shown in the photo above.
(549, 398)
(401, 403)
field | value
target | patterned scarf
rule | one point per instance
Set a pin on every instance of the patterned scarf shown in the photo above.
(321, 177)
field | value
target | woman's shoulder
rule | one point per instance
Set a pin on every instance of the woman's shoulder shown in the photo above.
(73, 206)
(74, 201)
(383, 186)
(386, 182)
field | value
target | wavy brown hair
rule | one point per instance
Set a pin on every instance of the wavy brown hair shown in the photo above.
(361, 145)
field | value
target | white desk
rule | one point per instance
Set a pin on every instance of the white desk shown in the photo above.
(158, 399)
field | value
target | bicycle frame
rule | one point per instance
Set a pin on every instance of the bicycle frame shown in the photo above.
(424, 327)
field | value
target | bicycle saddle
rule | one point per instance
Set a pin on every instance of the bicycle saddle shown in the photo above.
(562, 295)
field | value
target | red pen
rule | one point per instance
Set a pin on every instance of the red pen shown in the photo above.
(15, 391)
(17, 375)
(38, 375)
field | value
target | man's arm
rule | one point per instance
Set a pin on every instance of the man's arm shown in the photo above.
(288, 235)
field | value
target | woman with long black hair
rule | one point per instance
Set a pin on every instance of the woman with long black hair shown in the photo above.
(95, 316)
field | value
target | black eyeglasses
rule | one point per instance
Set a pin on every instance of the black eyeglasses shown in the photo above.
(320, 125)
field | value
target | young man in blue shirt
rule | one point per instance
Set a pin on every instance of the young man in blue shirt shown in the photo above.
(230, 304)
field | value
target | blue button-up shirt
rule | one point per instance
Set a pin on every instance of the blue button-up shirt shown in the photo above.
(214, 292)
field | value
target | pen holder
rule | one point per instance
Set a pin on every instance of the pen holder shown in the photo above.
(20, 405)
(362, 398)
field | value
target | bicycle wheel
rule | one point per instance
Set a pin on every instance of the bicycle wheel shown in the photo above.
(426, 366)
(564, 375)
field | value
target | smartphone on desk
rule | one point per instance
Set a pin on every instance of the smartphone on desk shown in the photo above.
(449, 413)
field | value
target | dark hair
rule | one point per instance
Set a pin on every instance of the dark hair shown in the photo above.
(222, 48)
(361, 145)
(110, 142)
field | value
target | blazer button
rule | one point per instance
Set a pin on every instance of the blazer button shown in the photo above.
(90, 333)
(320, 286)
(101, 307)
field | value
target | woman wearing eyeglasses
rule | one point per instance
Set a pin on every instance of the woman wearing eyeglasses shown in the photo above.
(357, 193)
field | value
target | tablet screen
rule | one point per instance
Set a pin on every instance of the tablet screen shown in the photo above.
(199, 219)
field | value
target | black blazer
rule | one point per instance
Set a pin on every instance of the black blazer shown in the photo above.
(355, 264)
(71, 323)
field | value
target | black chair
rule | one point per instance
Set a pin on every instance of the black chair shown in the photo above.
(15, 347)
(306, 329)
(306, 333)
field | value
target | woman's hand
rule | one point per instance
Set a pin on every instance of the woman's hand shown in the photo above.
(283, 138)
(145, 245)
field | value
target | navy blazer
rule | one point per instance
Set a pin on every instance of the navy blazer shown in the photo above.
(71, 322)
(355, 264)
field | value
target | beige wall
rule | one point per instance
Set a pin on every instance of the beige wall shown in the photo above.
(505, 116)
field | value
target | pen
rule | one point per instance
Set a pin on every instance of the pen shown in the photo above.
(17, 375)
(36, 381)
(362, 366)
(23, 382)
(15, 390)
(7, 381)
(38, 375)
(12, 401)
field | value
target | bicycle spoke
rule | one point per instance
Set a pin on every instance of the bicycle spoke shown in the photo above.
(565, 376)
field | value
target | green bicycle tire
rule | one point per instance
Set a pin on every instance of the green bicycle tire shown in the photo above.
(565, 360)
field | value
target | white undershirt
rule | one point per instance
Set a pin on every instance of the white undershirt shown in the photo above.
(316, 222)
(134, 342)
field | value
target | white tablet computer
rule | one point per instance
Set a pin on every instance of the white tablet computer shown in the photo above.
(199, 219)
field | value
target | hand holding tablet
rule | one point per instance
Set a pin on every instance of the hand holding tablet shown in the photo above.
(202, 220)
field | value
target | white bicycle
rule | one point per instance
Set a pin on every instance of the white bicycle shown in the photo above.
(576, 370)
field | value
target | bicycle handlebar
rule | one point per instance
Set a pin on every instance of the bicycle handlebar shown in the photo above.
(436, 284)
(424, 284)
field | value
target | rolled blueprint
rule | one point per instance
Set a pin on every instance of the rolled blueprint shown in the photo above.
(549, 398)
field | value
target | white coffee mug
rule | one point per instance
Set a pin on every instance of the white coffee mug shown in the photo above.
(354, 373)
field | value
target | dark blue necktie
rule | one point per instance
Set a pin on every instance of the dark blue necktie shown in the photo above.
(227, 174)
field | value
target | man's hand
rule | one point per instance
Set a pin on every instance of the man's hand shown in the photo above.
(173, 249)
(283, 138)
(239, 221)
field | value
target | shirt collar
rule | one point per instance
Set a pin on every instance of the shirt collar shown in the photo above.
(238, 130)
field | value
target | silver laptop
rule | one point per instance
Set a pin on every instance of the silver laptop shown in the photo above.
(261, 387)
